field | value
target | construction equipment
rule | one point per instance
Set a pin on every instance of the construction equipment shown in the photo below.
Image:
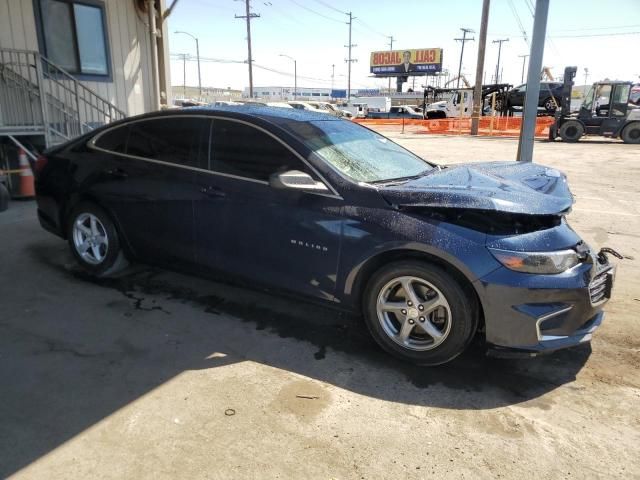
(606, 110)
(458, 102)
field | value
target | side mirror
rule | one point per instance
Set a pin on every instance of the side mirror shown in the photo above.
(296, 180)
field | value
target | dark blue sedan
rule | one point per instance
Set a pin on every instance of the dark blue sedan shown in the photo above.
(321, 207)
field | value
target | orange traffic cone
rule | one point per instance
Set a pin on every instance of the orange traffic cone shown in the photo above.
(27, 189)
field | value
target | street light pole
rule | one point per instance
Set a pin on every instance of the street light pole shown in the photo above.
(524, 62)
(295, 75)
(198, 57)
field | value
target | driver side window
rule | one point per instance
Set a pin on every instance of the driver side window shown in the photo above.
(244, 151)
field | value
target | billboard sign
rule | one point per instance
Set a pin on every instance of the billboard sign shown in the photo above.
(393, 63)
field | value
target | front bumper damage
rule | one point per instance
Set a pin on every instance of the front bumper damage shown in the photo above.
(528, 315)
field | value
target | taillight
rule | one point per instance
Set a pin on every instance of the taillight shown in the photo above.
(41, 162)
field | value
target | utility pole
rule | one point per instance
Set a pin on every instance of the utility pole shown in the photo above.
(524, 62)
(499, 42)
(525, 144)
(477, 89)
(333, 75)
(184, 74)
(463, 40)
(248, 18)
(586, 75)
(390, 49)
(198, 57)
(350, 60)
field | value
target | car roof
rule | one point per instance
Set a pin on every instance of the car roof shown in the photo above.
(264, 112)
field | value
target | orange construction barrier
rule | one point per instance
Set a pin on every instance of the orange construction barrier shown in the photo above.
(488, 126)
(27, 188)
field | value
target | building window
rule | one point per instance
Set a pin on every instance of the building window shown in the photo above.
(73, 35)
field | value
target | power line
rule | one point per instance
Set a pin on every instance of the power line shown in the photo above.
(617, 34)
(190, 58)
(369, 27)
(315, 12)
(517, 17)
(331, 7)
(597, 28)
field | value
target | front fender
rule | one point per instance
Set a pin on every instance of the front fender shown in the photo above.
(393, 235)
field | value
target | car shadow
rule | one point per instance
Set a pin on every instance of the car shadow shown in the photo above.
(67, 368)
(328, 330)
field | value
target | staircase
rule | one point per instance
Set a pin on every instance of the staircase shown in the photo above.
(39, 98)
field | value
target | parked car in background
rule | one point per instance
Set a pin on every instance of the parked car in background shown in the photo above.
(224, 103)
(321, 207)
(403, 111)
(357, 109)
(279, 104)
(331, 108)
(548, 98)
(300, 105)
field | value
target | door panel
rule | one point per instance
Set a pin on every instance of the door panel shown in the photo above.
(283, 238)
(153, 204)
(150, 184)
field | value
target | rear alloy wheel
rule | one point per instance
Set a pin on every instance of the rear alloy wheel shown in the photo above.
(571, 131)
(551, 104)
(419, 313)
(631, 133)
(94, 241)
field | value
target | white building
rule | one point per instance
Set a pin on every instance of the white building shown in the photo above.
(68, 66)
(287, 93)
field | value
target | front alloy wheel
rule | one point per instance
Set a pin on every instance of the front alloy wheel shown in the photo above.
(419, 312)
(414, 313)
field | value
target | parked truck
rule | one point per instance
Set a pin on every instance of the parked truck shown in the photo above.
(376, 104)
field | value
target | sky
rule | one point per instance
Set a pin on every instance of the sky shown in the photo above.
(603, 37)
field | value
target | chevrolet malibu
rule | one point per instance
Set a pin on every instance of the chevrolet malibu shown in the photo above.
(313, 205)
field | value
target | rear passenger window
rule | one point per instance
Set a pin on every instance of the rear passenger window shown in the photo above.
(244, 151)
(180, 140)
(114, 140)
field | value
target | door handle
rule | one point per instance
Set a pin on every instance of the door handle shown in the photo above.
(117, 173)
(214, 192)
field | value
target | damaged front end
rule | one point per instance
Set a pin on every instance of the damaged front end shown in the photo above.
(548, 288)
(492, 222)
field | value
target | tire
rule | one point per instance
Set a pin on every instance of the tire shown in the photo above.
(571, 131)
(551, 104)
(401, 328)
(94, 240)
(631, 133)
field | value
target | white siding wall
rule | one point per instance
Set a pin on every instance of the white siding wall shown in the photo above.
(131, 88)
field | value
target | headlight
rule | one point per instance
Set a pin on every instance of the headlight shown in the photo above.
(537, 262)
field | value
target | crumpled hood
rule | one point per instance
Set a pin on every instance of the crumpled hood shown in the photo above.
(513, 187)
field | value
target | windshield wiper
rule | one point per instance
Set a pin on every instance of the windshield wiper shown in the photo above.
(399, 180)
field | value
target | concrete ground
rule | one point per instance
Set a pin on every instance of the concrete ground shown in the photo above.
(160, 375)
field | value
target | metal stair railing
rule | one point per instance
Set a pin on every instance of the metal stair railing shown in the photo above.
(37, 96)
